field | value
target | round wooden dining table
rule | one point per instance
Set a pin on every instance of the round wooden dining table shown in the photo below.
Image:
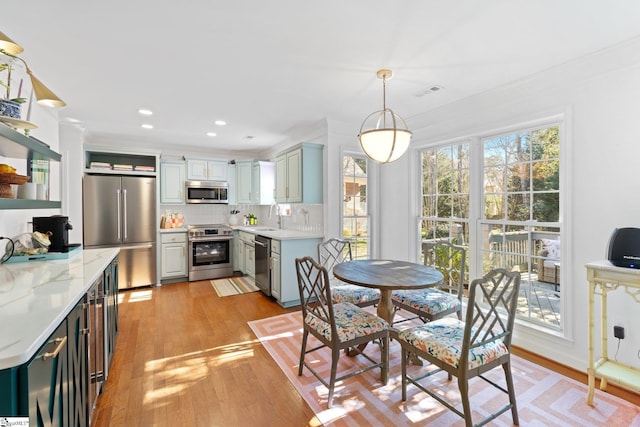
(387, 275)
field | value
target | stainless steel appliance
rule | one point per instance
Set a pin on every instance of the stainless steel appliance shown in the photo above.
(210, 251)
(120, 211)
(263, 264)
(207, 191)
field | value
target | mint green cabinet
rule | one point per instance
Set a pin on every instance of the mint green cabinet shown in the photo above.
(284, 280)
(172, 182)
(299, 174)
(244, 179)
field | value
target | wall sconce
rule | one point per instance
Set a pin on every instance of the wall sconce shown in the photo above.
(388, 138)
(44, 95)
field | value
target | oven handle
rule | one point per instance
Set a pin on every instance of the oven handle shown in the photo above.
(210, 239)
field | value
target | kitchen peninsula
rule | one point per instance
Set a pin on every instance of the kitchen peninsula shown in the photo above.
(51, 342)
(278, 258)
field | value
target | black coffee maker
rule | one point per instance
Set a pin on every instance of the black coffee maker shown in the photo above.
(59, 227)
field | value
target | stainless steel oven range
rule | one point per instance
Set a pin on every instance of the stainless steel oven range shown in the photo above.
(210, 251)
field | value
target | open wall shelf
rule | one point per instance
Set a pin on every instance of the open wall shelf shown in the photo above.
(15, 145)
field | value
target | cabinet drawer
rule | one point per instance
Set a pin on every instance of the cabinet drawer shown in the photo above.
(173, 237)
(275, 246)
(247, 237)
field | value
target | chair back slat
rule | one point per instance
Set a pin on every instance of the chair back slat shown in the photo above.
(315, 294)
(491, 310)
(333, 252)
(450, 260)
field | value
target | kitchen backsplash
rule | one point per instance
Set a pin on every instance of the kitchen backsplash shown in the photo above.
(303, 217)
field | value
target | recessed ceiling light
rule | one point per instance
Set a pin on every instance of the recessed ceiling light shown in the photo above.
(147, 126)
(220, 122)
(211, 134)
(145, 112)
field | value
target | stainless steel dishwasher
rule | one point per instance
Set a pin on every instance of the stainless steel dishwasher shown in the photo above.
(263, 264)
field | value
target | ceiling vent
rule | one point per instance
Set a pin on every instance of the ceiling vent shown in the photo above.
(430, 89)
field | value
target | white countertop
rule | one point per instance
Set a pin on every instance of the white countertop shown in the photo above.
(279, 234)
(173, 230)
(36, 296)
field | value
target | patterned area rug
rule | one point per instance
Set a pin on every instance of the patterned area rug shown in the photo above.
(544, 397)
(234, 286)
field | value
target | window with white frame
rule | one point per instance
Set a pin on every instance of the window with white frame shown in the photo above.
(518, 210)
(355, 215)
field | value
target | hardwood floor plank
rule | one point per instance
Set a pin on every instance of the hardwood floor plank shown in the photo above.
(185, 356)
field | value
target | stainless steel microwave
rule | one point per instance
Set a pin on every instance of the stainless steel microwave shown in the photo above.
(207, 191)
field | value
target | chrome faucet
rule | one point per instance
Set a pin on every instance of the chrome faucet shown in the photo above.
(278, 212)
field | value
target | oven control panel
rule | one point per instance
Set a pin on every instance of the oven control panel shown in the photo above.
(209, 232)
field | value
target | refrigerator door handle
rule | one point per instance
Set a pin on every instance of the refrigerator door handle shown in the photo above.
(124, 217)
(119, 214)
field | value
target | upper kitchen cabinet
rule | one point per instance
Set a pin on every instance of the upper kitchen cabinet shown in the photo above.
(206, 170)
(255, 182)
(15, 145)
(172, 182)
(299, 174)
(105, 160)
(263, 183)
(244, 179)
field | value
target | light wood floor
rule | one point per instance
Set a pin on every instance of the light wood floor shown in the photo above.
(186, 357)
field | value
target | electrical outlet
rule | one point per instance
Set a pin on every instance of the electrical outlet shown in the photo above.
(618, 332)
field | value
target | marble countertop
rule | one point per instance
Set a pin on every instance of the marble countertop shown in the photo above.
(173, 230)
(279, 234)
(36, 296)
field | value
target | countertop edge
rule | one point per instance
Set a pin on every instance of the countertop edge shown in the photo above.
(14, 360)
(279, 234)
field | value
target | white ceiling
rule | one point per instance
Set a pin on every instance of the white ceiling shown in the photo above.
(266, 67)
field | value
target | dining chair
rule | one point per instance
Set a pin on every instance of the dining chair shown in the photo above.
(434, 303)
(337, 326)
(335, 251)
(469, 348)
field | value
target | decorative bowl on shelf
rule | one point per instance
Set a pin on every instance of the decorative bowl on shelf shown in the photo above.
(6, 179)
(10, 108)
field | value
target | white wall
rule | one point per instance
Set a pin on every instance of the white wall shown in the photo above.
(599, 98)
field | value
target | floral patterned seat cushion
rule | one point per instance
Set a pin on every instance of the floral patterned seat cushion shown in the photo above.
(351, 322)
(430, 301)
(353, 294)
(443, 340)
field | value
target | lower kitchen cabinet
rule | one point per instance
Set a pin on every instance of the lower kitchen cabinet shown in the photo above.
(174, 255)
(77, 333)
(247, 253)
(284, 280)
(47, 380)
(250, 259)
(238, 252)
(52, 388)
(111, 308)
(275, 269)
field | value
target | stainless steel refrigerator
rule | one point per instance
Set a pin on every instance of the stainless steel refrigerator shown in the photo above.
(120, 211)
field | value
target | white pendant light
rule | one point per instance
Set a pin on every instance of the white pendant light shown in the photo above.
(384, 135)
